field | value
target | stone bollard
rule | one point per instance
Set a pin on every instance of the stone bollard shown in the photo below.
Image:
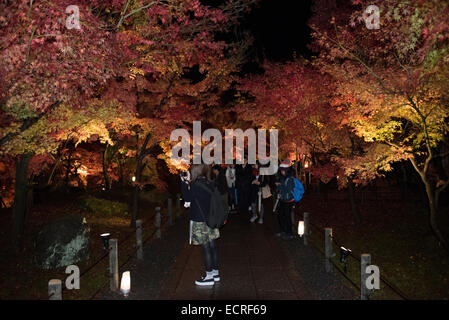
(139, 239)
(328, 249)
(55, 289)
(365, 260)
(306, 228)
(170, 211)
(157, 222)
(113, 265)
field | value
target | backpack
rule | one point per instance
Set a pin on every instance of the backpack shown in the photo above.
(298, 191)
(218, 214)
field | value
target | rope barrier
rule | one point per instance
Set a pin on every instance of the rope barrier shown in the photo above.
(124, 240)
(351, 254)
(344, 275)
(164, 222)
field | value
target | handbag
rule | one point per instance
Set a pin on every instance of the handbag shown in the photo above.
(266, 192)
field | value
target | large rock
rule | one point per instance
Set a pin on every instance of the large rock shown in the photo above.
(62, 242)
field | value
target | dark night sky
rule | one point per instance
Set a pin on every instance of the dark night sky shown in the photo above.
(280, 28)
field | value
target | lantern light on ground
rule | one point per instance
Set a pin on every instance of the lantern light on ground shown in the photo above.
(125, 285)
(105, 237)
(344, 253)
(301, 228)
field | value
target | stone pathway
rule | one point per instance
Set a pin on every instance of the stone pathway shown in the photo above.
(254, 264)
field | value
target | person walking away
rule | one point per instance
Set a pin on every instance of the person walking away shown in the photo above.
(230, 180)
(257, 183)
(200, 233)
(285, 185)
(219, 177)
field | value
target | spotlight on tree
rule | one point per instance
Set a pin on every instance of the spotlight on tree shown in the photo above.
(105, 237)
(344, 253)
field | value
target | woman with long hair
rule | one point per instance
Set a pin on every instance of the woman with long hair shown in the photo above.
(193, 191)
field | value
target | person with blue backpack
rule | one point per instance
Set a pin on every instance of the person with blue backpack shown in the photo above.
(290, 190)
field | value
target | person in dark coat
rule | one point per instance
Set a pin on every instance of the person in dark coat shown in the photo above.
(258, 181)
(243, 182)
(285, 185)
(200, 232)
(219, 177)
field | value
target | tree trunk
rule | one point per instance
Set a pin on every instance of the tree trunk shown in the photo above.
(354, 206)
(120, 173)
(69, 166)
(140, 157)
(433, 216)
(21, 203)
(57, 162)
(432, 197)
(107, 184)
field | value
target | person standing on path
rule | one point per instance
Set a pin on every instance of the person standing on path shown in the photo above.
(219, 178)
(230, 180)
(243, 182)
(200, 232)
(257, 183)
(286, 185)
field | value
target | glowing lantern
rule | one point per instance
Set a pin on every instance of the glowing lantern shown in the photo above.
(301, 228)
(125, 285)
(133, 179)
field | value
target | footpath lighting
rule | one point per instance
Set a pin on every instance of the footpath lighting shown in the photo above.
(105, 237)
(344, 253)
(125, 285)
(301, 228)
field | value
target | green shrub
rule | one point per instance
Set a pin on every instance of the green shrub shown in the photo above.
(154, 196)
(105, 207)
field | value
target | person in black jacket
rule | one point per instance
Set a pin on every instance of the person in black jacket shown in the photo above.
(219, 177)
(258, 181)
(200, 232)
(243, 183)
(285, 185)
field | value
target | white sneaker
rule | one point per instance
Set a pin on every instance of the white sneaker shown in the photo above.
(253, 218)
(216, 275)
(260, 221)
(207, 280)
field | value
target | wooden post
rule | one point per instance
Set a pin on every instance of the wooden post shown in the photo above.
(170, 211)
(55, 289)
(113, 264)
(306, 228)
(157, 222)
(139, 239)
(178, 205)
(328, 249)
(365, 260)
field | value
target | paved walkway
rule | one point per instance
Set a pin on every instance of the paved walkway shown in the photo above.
(254, 264)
